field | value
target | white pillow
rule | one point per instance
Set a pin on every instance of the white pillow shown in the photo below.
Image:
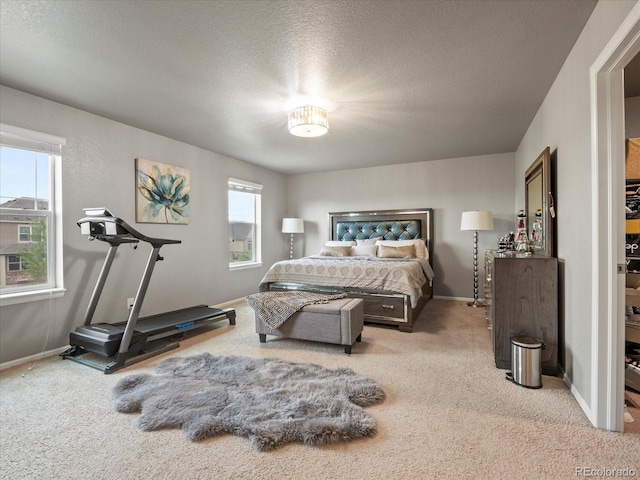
(367, 241)
(364, 250)
(338, 243)
(421, 248)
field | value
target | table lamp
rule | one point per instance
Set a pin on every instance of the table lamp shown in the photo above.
(292, 225)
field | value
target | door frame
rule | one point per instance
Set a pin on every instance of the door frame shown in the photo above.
(608, 236)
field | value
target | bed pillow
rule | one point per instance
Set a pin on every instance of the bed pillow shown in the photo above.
(421, 248)
(364, 250)
(335, 251)
(367, 241)
(406, 251)
(340, 243)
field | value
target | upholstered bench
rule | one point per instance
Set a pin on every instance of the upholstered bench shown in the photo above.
(338, 321)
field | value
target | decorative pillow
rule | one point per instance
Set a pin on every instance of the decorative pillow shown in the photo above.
(336, 251)
(421, 248)
(367, 241)
(366, 250)
(407, 251)
(338, 243)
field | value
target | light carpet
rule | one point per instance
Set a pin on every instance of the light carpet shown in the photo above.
(448, 413)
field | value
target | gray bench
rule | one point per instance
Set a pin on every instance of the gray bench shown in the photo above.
(338, 321)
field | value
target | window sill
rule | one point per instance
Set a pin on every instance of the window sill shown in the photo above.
(243, 266)
(32, 296)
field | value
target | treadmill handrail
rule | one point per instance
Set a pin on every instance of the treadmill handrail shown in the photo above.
(131, 232)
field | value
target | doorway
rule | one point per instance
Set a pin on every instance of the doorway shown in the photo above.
(607, 107)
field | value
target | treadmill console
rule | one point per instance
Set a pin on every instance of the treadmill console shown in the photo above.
(100, 224)
(95, 226)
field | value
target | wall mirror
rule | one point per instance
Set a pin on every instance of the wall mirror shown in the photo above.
(539, 204)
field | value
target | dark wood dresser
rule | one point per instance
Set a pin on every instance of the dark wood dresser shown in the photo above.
(521, 295)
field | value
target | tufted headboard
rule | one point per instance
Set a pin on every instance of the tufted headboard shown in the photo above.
(385, 224)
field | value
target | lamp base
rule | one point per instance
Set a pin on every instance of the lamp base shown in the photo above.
(476, 304)
(291, 248)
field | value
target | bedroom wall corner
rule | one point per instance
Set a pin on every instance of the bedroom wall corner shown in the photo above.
(98, 170)
(448, 186)
(564, 122)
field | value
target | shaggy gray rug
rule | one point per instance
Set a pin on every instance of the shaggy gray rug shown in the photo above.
(270, 401)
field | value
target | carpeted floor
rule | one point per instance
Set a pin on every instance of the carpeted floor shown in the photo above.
(449, 413)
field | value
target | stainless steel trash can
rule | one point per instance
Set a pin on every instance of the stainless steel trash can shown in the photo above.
(526, 361)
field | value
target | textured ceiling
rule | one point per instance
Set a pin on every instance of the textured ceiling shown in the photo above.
(405, 81)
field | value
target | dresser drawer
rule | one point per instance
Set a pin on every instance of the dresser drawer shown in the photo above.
(381, 306)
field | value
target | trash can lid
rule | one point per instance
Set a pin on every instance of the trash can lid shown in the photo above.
(526, 341)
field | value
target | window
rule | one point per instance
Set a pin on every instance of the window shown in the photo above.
(26, 233)
(14, 263)
(30, 215)
(244, 223)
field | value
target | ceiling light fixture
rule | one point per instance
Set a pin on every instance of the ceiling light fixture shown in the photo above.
(308, 121)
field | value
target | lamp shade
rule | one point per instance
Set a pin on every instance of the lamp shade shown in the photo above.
(292, 225)
(476, 220)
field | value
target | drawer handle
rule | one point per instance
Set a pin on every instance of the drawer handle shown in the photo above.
(388, 307)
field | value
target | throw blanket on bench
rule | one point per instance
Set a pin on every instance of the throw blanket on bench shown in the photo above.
(276, 307)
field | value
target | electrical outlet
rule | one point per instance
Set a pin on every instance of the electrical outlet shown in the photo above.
(130, 303)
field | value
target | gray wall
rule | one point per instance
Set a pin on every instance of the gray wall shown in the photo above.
(564, 123)
(98, 170)
(448, 186)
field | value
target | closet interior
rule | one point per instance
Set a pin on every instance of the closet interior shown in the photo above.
(632, 291)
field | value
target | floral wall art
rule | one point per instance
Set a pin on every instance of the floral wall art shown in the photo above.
(162, 193)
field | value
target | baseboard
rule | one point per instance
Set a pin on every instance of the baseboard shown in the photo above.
(33, 358)
(581, 401)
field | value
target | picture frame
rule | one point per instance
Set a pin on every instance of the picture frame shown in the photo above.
(162, 192)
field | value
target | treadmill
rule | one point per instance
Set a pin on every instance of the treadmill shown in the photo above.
(111, 346)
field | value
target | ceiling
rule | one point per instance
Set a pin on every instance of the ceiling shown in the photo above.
(404, 81)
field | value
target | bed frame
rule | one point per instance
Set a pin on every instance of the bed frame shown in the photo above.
(380, 307)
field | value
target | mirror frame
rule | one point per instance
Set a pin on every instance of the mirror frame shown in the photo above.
(541, 166)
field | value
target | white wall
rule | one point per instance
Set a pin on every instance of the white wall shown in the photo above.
(448, 186)
(563, 122)
(98, 170)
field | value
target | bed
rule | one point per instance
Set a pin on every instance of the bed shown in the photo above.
(394, 290)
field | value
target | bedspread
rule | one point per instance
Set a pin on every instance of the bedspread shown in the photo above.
(405, 276)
